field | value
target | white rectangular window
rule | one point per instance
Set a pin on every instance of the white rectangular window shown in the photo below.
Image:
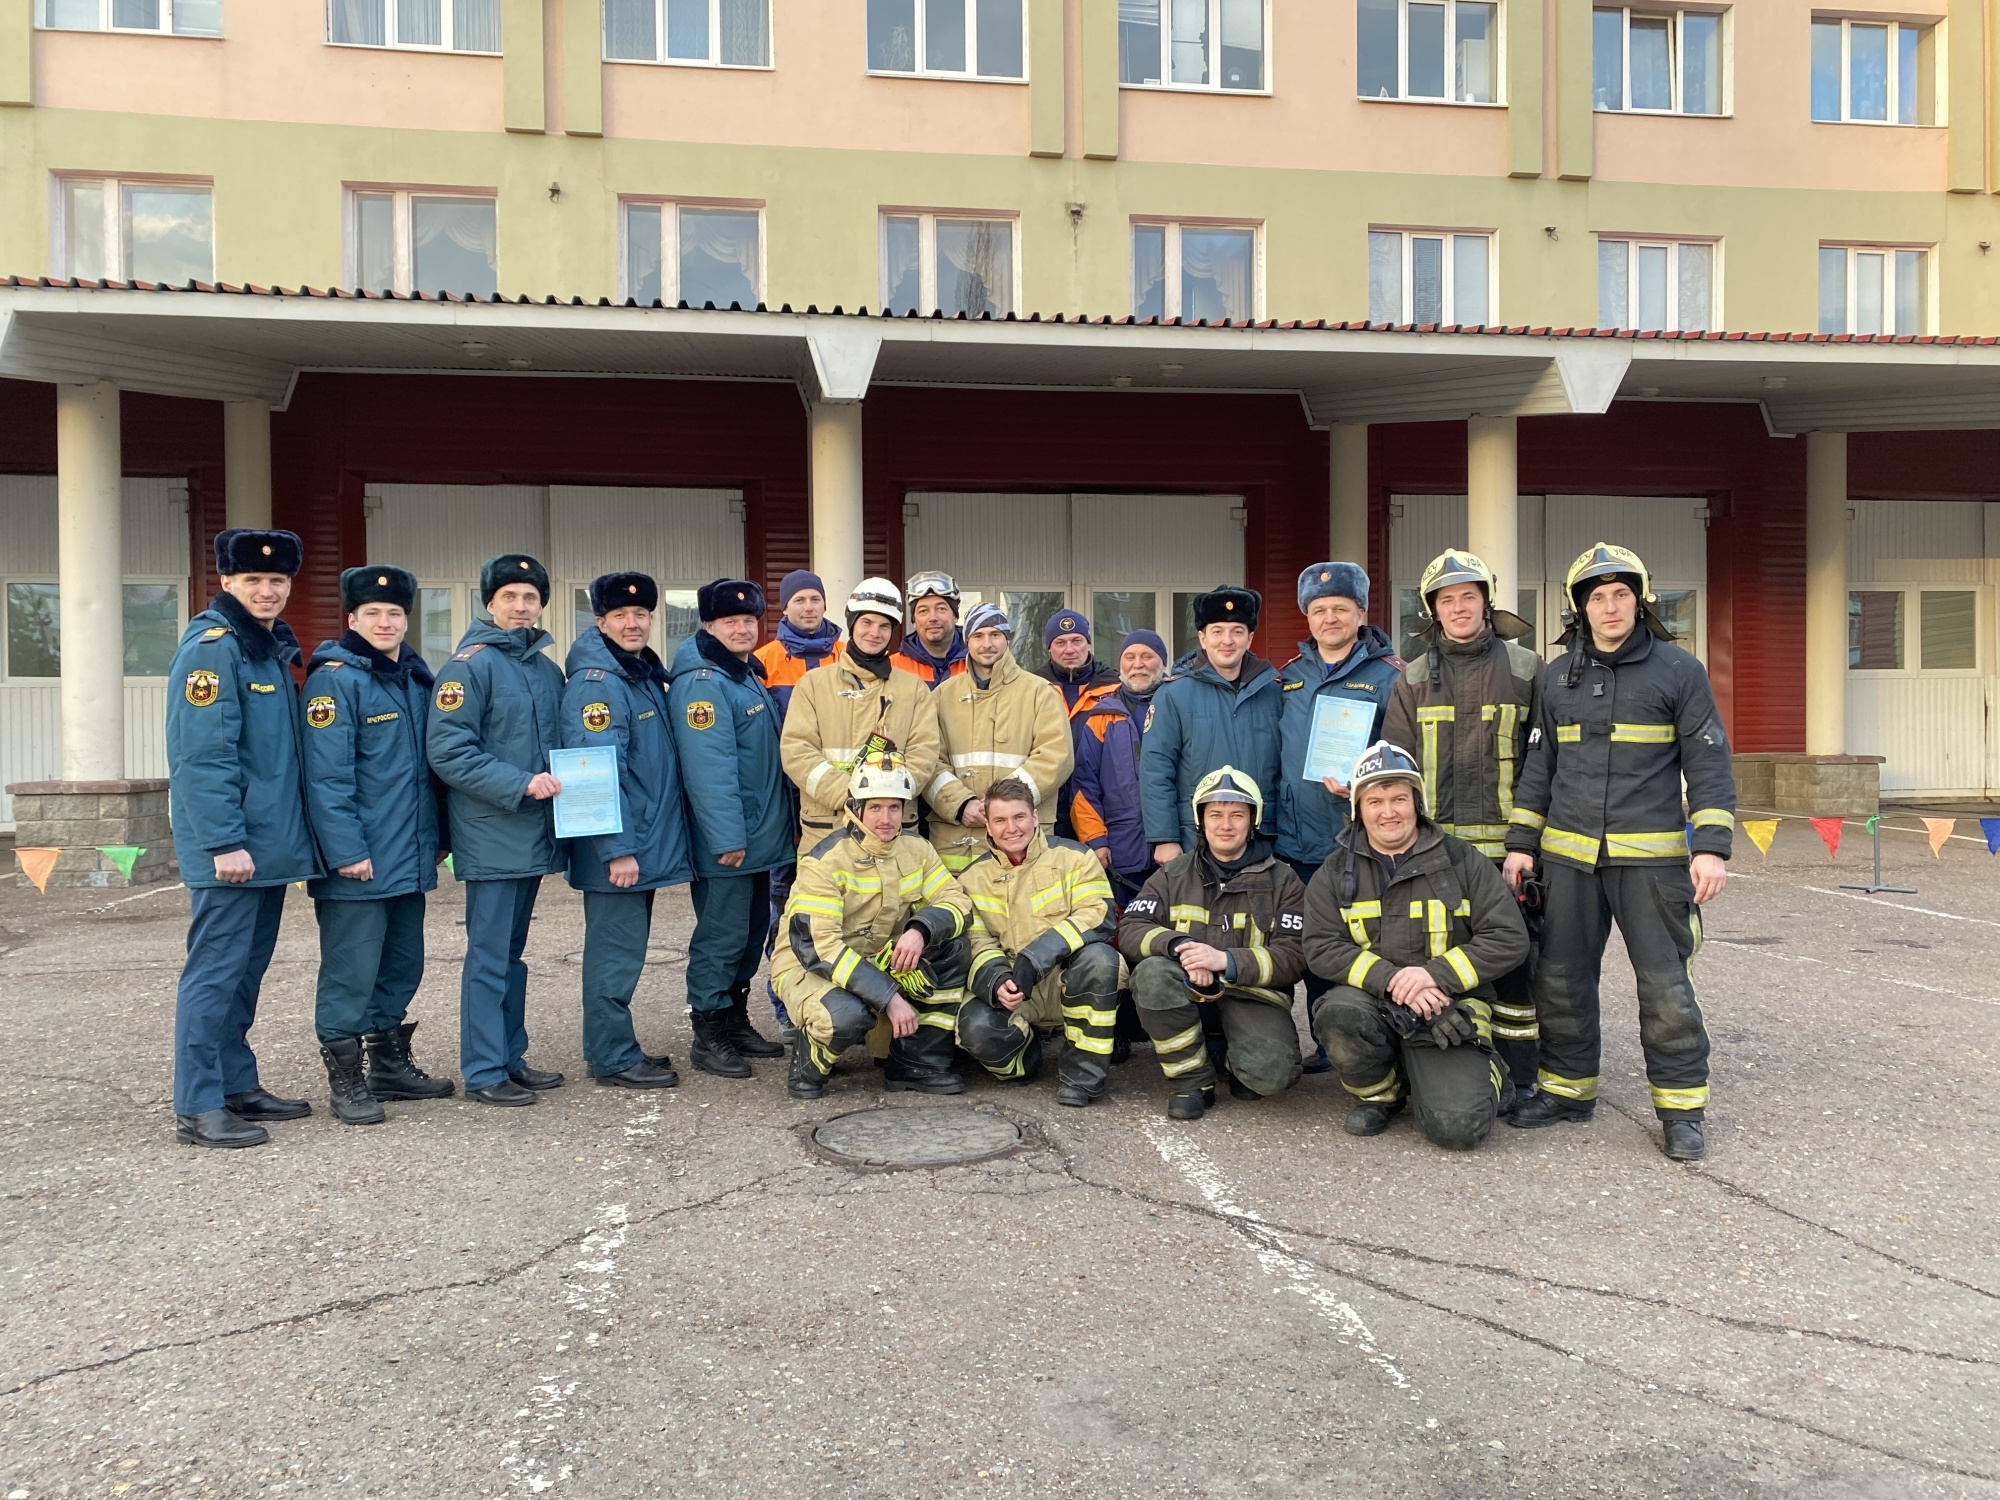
(1195, 271)
(1871, 72)
(949, 38)
(153, 618)
(1657, 62)
(172, 17)
(1193, 44)
(434, 25)
(1434, 51)
(1657, 284)
(949, 263)
(695, 33)
(1873, 289)
(134, 229)
(697, 253)
(409, 240)
(1430, 276)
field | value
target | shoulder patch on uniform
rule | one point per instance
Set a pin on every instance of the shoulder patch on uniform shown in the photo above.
(828, 844)
(262, 687)
(1523, 661)
(450, 695)
(593, 674)
(215, 633)
(597, 717)
(1291, 686)
(701, 714)
(470, 651)
(202, 688)
(321, 712)
(333, 666)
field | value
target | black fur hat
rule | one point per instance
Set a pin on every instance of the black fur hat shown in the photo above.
(730, 596)
(622, 591)
(377, 584)
(511, 567)
(1227, 604)
(240, 550)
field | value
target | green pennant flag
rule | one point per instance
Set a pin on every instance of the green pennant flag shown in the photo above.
(1872, 822)
(451, 867)
(123, 856)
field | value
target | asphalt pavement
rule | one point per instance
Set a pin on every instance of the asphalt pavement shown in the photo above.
(628, 1294)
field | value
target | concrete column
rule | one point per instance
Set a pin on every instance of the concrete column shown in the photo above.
(1347, 492)
(1826, 593)
(833, 435)
(246, 461)
(90, 577)
(1492, 506)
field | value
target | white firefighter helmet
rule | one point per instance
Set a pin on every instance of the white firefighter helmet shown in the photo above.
(880, 777)
(876, 596)
(1382, 762)
(1227, 784)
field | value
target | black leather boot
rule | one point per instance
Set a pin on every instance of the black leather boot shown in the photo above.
(714, 1049)
(1544, 1108)
(922, 1064)
(394, 1074)
(259, 1104)
(1370, 1118)
(541, 1080)
(805, 1081)
(217, 1127)
(643, 1074)
(745, 1037)
(1684, 1141)
(1191, 1103)
(350, 1100)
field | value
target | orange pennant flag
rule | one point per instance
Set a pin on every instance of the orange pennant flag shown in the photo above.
(36, 864)
(1761, 831)
(1829, 833)
(1940, 829)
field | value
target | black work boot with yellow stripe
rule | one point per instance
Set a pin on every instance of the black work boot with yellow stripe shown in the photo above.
(805, 1081)
(1543, 1109)
(1369, 1117)
(1192, 1102)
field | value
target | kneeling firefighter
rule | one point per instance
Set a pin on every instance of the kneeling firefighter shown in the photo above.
(1042, 952)
(1219, 925)
(1413, 925)
(875, 941)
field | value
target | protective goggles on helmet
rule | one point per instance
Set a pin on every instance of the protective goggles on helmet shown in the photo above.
(933, 584)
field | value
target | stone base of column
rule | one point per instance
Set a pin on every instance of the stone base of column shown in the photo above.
(81, 817)
(1820, 786)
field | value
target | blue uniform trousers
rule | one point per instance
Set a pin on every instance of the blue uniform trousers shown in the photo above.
(231, 933)
(371, 960)
(493, 987)
(731, 915)
(616, 928)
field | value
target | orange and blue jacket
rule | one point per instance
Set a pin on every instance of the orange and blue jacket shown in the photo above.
(1104, 805)
(792, 654)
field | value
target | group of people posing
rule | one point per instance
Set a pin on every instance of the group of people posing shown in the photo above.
(948, 858)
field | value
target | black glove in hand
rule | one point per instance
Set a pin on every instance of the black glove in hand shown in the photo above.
(1026, 974)
(1454, 1024)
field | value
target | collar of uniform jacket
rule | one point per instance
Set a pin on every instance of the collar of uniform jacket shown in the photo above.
(722, 658)
(1429, 836)
(409, 664)
(1254, 668)
(261, 642)
(640, 665)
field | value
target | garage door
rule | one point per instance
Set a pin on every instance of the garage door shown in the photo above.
(443, 532)
(1132, 561)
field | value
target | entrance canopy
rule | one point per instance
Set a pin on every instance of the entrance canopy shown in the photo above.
(227, 343)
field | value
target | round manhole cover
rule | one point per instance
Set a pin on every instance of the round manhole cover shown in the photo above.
(882, 1139)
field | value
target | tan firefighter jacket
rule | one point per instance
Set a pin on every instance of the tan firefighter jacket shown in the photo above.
(1014, 726)
(1046, 908)
(832, 715)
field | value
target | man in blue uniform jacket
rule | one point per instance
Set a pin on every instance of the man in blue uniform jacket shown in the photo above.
(617, 700)
(726, 727)
(237, 787)
(374, 807)
(493, 723)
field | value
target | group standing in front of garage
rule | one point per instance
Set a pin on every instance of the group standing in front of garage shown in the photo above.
(952, 859)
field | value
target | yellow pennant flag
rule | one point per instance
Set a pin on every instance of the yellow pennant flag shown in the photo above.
(36, 864)
(1940, 830)
(1761, 831)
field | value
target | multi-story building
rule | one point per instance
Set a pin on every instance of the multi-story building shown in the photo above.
(1094, 302)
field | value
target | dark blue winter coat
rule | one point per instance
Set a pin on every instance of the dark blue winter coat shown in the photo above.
(369, 786)
(726, 727)
(1202, 722)
(617, 699)
(235, 767)
(1105, 805)
(493, 723)
(1310, 817)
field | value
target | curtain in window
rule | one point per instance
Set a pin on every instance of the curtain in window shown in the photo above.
(718, 257)
(1149, 271)
(168, 233)
(1138, 41)
(746, 33)
(455, 245)
(975, 266)
(1216, 273)
(198, 17)
(420, 23)
(1190, 40)
(72, 15)
(631, 30)
(358, 23)
(902, 257)
(475, 26)
(141, 15)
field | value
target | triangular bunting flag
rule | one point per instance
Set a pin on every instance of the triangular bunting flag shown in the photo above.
(1873, 823)
(1940, 830)
(451, 867)
(1761, 831)
(122, 857)
(1829, 832)
(1991, 828)
(36, 864)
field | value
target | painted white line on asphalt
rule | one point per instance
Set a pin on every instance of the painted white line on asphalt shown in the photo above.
(1949, 916)
(158, 890)
(1273, 1254)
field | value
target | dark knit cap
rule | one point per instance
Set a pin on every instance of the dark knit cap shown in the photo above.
(799, 578)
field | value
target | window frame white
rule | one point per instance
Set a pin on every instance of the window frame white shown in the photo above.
(402, 229)
(927, 253)
(1912, 641)
(1410, 234)
(1403, 94)
(389, 43)
(1676, 63)
(1854, 250)
(1170, 300)
(1213, 61)
(106, 9)
(670, 240)
(177, 582)
(713, 60)
(114, 185)
(918, 46)
(1892, 83)
(1673, 244)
